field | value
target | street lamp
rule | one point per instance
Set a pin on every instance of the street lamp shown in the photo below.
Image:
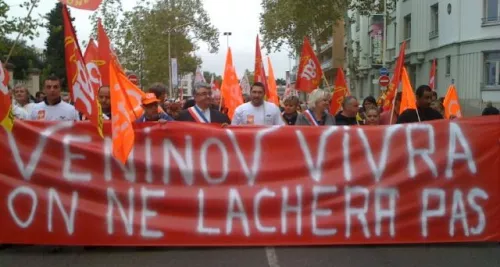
(170, 90)
(227, 34)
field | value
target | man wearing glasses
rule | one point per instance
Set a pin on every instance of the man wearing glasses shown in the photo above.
(201, 112)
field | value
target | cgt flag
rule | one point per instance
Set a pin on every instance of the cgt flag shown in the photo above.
(83, 4)
(310, 73)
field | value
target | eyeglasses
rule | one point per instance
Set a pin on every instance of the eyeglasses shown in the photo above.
(205, 94)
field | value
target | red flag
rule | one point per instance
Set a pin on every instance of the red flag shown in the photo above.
(231, 90)
(94, 64)
(339, 92)
(260, 72)
(273, 89)
(408, 100)
(310, 73)
(432, 76)
(6, 115)
(83, 93)
(396, 79)
(83, 4)
(105, 52)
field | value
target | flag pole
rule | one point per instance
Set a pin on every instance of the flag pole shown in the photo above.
(21, 32)
(326, 81)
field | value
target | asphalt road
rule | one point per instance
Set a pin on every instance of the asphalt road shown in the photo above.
(484, 255)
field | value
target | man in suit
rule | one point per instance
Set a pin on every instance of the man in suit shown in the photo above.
(201, 111)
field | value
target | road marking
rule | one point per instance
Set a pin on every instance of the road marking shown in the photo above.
(272, 258)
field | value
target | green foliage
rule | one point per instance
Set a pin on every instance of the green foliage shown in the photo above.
(143, 37)
(208, 76)
(250, 75)
(280, 81)
(14, 24)
(109, 12)
(54, 51)
(23, 57)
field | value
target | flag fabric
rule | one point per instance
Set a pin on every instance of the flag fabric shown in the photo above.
(259, 71)
(231, 91)
(272, 87)
(432, 76)
(451, 103)
(83, 4)
(390, 93)
(6, 114)
(339, 92)
(199, 78)
(408, 100)
(83, 92)
(122, 124)
(245, 85)
(105, 52)
(310, 73)
(94, 64)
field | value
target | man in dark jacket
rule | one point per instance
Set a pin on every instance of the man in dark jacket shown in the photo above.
(201, 112)
(490, 110)
(350, 108)
(423, 112)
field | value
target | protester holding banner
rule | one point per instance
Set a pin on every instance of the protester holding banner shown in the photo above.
(257, 111)
(52, 108)
(290, 114)
(316, 114)
(423, 112)
(391, 116)
(22, 97)
(159, 90)
(350, 108)
(201, 111)
(150, 105)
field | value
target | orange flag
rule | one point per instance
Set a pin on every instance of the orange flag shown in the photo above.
(451, 103)
(272, 88)
(231, 91)
(105, 52)
(310, 73)
(339, 92)
(259, 71)
(94, 65)
(83, 92)
(432, 76)
(122, 124)
(408, 100)
(389, 95)
(6, 115)
(82, 4)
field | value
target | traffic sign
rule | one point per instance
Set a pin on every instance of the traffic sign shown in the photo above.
(133, 79)
(384, 81)
(384, 72)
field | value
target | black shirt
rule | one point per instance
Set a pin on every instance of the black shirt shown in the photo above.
(490, 111)
(343, 120)
(425, 114)
(290, 119)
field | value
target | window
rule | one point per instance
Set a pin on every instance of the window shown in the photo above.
(492, 68)
(448, 65)
(407, 29)
(434, 21)
(491, 11)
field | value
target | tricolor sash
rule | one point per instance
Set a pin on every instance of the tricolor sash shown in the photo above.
(197, 115)
(310, 117)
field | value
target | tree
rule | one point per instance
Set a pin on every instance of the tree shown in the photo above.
(109, 12)
(280, 81)
(208, 76)
(286, 22)
(10, 25)
(54, 51)
(143, 37)
(250, 76)
(23, 57)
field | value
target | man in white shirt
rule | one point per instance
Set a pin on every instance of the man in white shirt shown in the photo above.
(257, 111)
(52, 108)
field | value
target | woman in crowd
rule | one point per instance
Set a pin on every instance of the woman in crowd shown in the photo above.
(372, 116)
(290, 114)
(368, 102)
(317, 113)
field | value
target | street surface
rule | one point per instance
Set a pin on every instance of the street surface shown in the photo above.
(467, 255)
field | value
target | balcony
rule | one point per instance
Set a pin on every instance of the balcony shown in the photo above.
(433, 34)
(328, 44)
(326, 65)
(490, 21)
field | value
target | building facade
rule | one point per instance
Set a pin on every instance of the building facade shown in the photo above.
(462, 35)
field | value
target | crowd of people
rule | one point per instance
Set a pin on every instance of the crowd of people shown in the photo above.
(53, 104)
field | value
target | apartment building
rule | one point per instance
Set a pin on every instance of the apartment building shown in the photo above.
(463, 35)
(332, 53)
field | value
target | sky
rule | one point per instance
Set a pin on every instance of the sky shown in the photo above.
(240, 17)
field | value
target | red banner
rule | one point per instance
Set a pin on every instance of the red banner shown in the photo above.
(191, 184)
(83, 4)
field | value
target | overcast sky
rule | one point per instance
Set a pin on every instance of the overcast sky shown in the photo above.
(241, 17)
